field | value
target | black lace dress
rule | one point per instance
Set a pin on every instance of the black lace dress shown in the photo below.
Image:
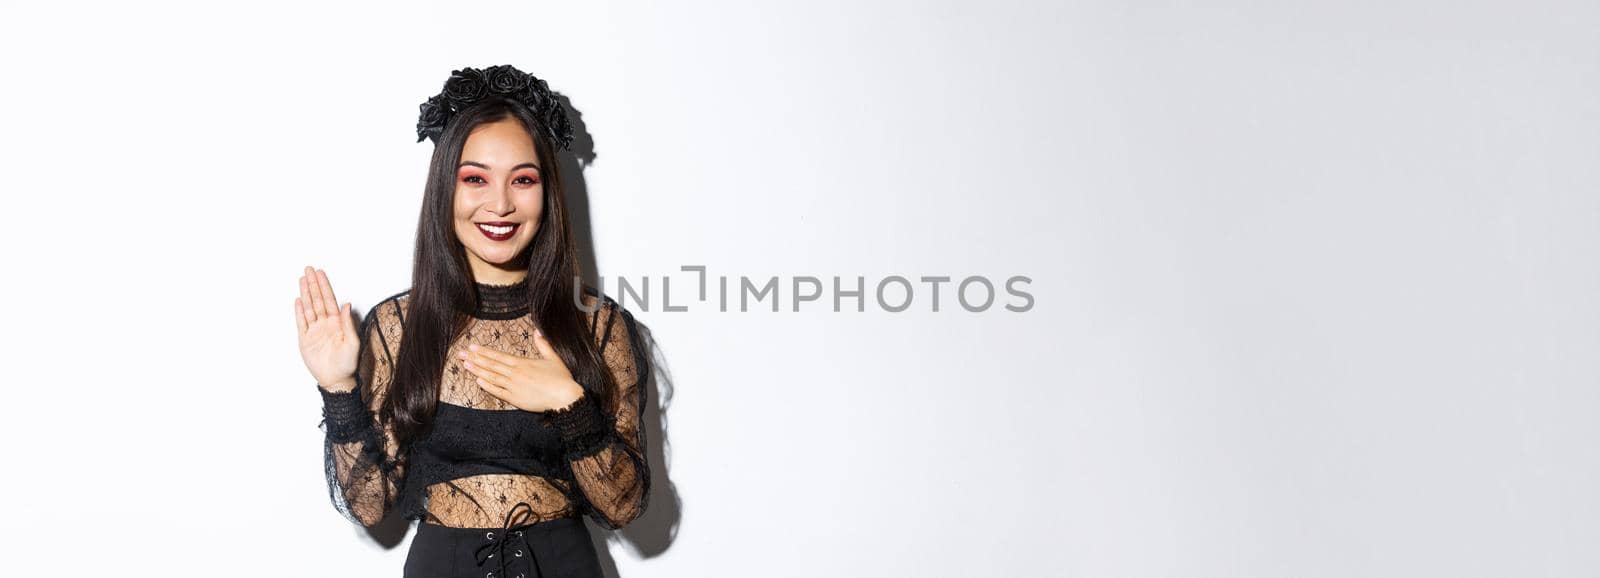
(492, 484)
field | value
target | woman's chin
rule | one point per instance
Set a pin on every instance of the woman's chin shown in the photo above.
(497, 256)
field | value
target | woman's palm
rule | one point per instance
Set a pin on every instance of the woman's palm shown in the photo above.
(328, 341)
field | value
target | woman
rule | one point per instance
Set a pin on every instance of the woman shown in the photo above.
(498, 399)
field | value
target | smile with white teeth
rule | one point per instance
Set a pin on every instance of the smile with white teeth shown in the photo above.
(495, 230)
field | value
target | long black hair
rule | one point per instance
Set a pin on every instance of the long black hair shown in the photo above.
(442, 290)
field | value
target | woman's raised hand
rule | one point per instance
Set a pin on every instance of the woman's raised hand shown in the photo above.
(328, 341)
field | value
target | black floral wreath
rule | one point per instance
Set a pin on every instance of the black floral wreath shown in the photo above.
(470, 85)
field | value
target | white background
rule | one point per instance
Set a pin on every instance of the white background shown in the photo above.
(1314, 282)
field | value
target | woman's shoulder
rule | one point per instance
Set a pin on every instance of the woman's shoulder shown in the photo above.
(607, 320)
(388, 314)
(597, 306)
(394, 305)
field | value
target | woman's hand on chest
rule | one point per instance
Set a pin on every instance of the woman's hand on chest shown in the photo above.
(529, 384)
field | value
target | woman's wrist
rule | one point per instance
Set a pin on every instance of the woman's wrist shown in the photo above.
(344, 414)
(580, 424)
(341, 386)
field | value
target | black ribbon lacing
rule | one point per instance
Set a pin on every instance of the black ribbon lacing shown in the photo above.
(509, 530)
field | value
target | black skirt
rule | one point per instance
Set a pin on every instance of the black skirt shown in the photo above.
(558, 548)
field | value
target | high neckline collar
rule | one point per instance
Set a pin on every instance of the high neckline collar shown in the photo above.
(501, 301)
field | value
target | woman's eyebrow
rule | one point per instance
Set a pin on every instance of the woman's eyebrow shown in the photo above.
(533, 166)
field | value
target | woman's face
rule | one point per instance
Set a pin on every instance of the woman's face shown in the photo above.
(499, 199)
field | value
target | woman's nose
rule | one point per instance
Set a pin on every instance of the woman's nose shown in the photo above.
(500, 199)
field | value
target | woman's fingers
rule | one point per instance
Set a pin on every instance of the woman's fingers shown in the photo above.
(317, 311)
(328, 306)
(310, 291)
(299, 316)
(494, 389)
(306, 311)
(328, 300)
(492, 383)
(335, 308)
(483, 372)
(317, 301)
(349, 323)
(479, 364)
(490, 355)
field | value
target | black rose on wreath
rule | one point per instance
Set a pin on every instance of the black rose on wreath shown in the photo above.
(504, 79)
(464, 87)
(556, 119)
(431, 119)
(536, 94)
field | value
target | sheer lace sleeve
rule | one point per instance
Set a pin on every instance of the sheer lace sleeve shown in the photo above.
(605, 445)
(360, 460)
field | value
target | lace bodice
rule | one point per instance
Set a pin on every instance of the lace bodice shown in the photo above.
(483, 456)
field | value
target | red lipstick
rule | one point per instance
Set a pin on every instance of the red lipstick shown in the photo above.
(502, 230)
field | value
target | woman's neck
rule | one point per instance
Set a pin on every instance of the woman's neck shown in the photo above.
(492, 275)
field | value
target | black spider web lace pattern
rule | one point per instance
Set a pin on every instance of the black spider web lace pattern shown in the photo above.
(600, 469)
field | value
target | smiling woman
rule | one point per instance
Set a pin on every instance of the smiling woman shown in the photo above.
(499, 198)
(498, 399)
